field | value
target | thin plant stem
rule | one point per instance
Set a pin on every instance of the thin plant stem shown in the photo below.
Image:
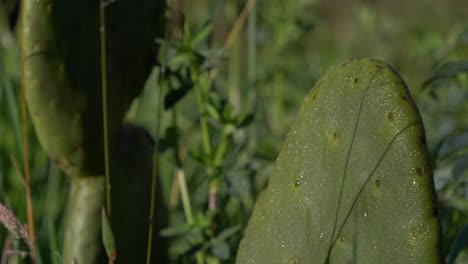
(180, 184)
(185, 195)
(201, 106)
(31, 231)
(199, 256)
(102, 35)
(221, 149)
(52, 186)
(235, 31)
(251, 73)
(154, 174)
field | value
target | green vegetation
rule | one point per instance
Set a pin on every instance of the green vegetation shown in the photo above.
(208, 114)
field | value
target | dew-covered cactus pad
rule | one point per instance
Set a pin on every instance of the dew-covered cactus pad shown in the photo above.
(353, 181)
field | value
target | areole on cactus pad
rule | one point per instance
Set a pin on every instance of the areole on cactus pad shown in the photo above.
(353, 182)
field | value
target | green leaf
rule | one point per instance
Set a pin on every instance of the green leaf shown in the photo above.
(212, 112)
(221, 250)
(175, 95)
(353, 179)
(202, 33)
(460, 242)
(176, 230)
(108, 236)
(453, 146)
(244, 120)
(460, 167)
(447, 70)
(228, 232)
(227, 113)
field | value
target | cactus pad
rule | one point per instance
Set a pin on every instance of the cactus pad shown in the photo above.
(352, 183)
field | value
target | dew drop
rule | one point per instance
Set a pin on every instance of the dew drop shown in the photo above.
(297, 182)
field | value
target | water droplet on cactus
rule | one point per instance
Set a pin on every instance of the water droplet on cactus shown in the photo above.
(297, 182)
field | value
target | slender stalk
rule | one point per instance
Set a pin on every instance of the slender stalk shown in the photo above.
(235, 31)
(199, 256)
(29, 205)
(102, 35)
(52, 187)
(221, 149)
(185, 196)
(155, 169)
(251, 66)
(201, 107)
(180, 184)
(13, 113)
(154, 175)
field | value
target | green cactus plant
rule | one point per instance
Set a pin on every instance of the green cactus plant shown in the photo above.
(353, 181)
(62, 78)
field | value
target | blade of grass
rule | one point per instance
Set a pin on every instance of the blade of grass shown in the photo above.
(251, 66)
(52, 195)
(25, 147)
(12, 108)
(235, 31)
(102, 31)
(154, 174)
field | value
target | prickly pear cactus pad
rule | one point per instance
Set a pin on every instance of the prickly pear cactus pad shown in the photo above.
(352, 183)
(62, 74)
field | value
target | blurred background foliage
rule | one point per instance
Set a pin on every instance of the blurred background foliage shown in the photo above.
(226, 111)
